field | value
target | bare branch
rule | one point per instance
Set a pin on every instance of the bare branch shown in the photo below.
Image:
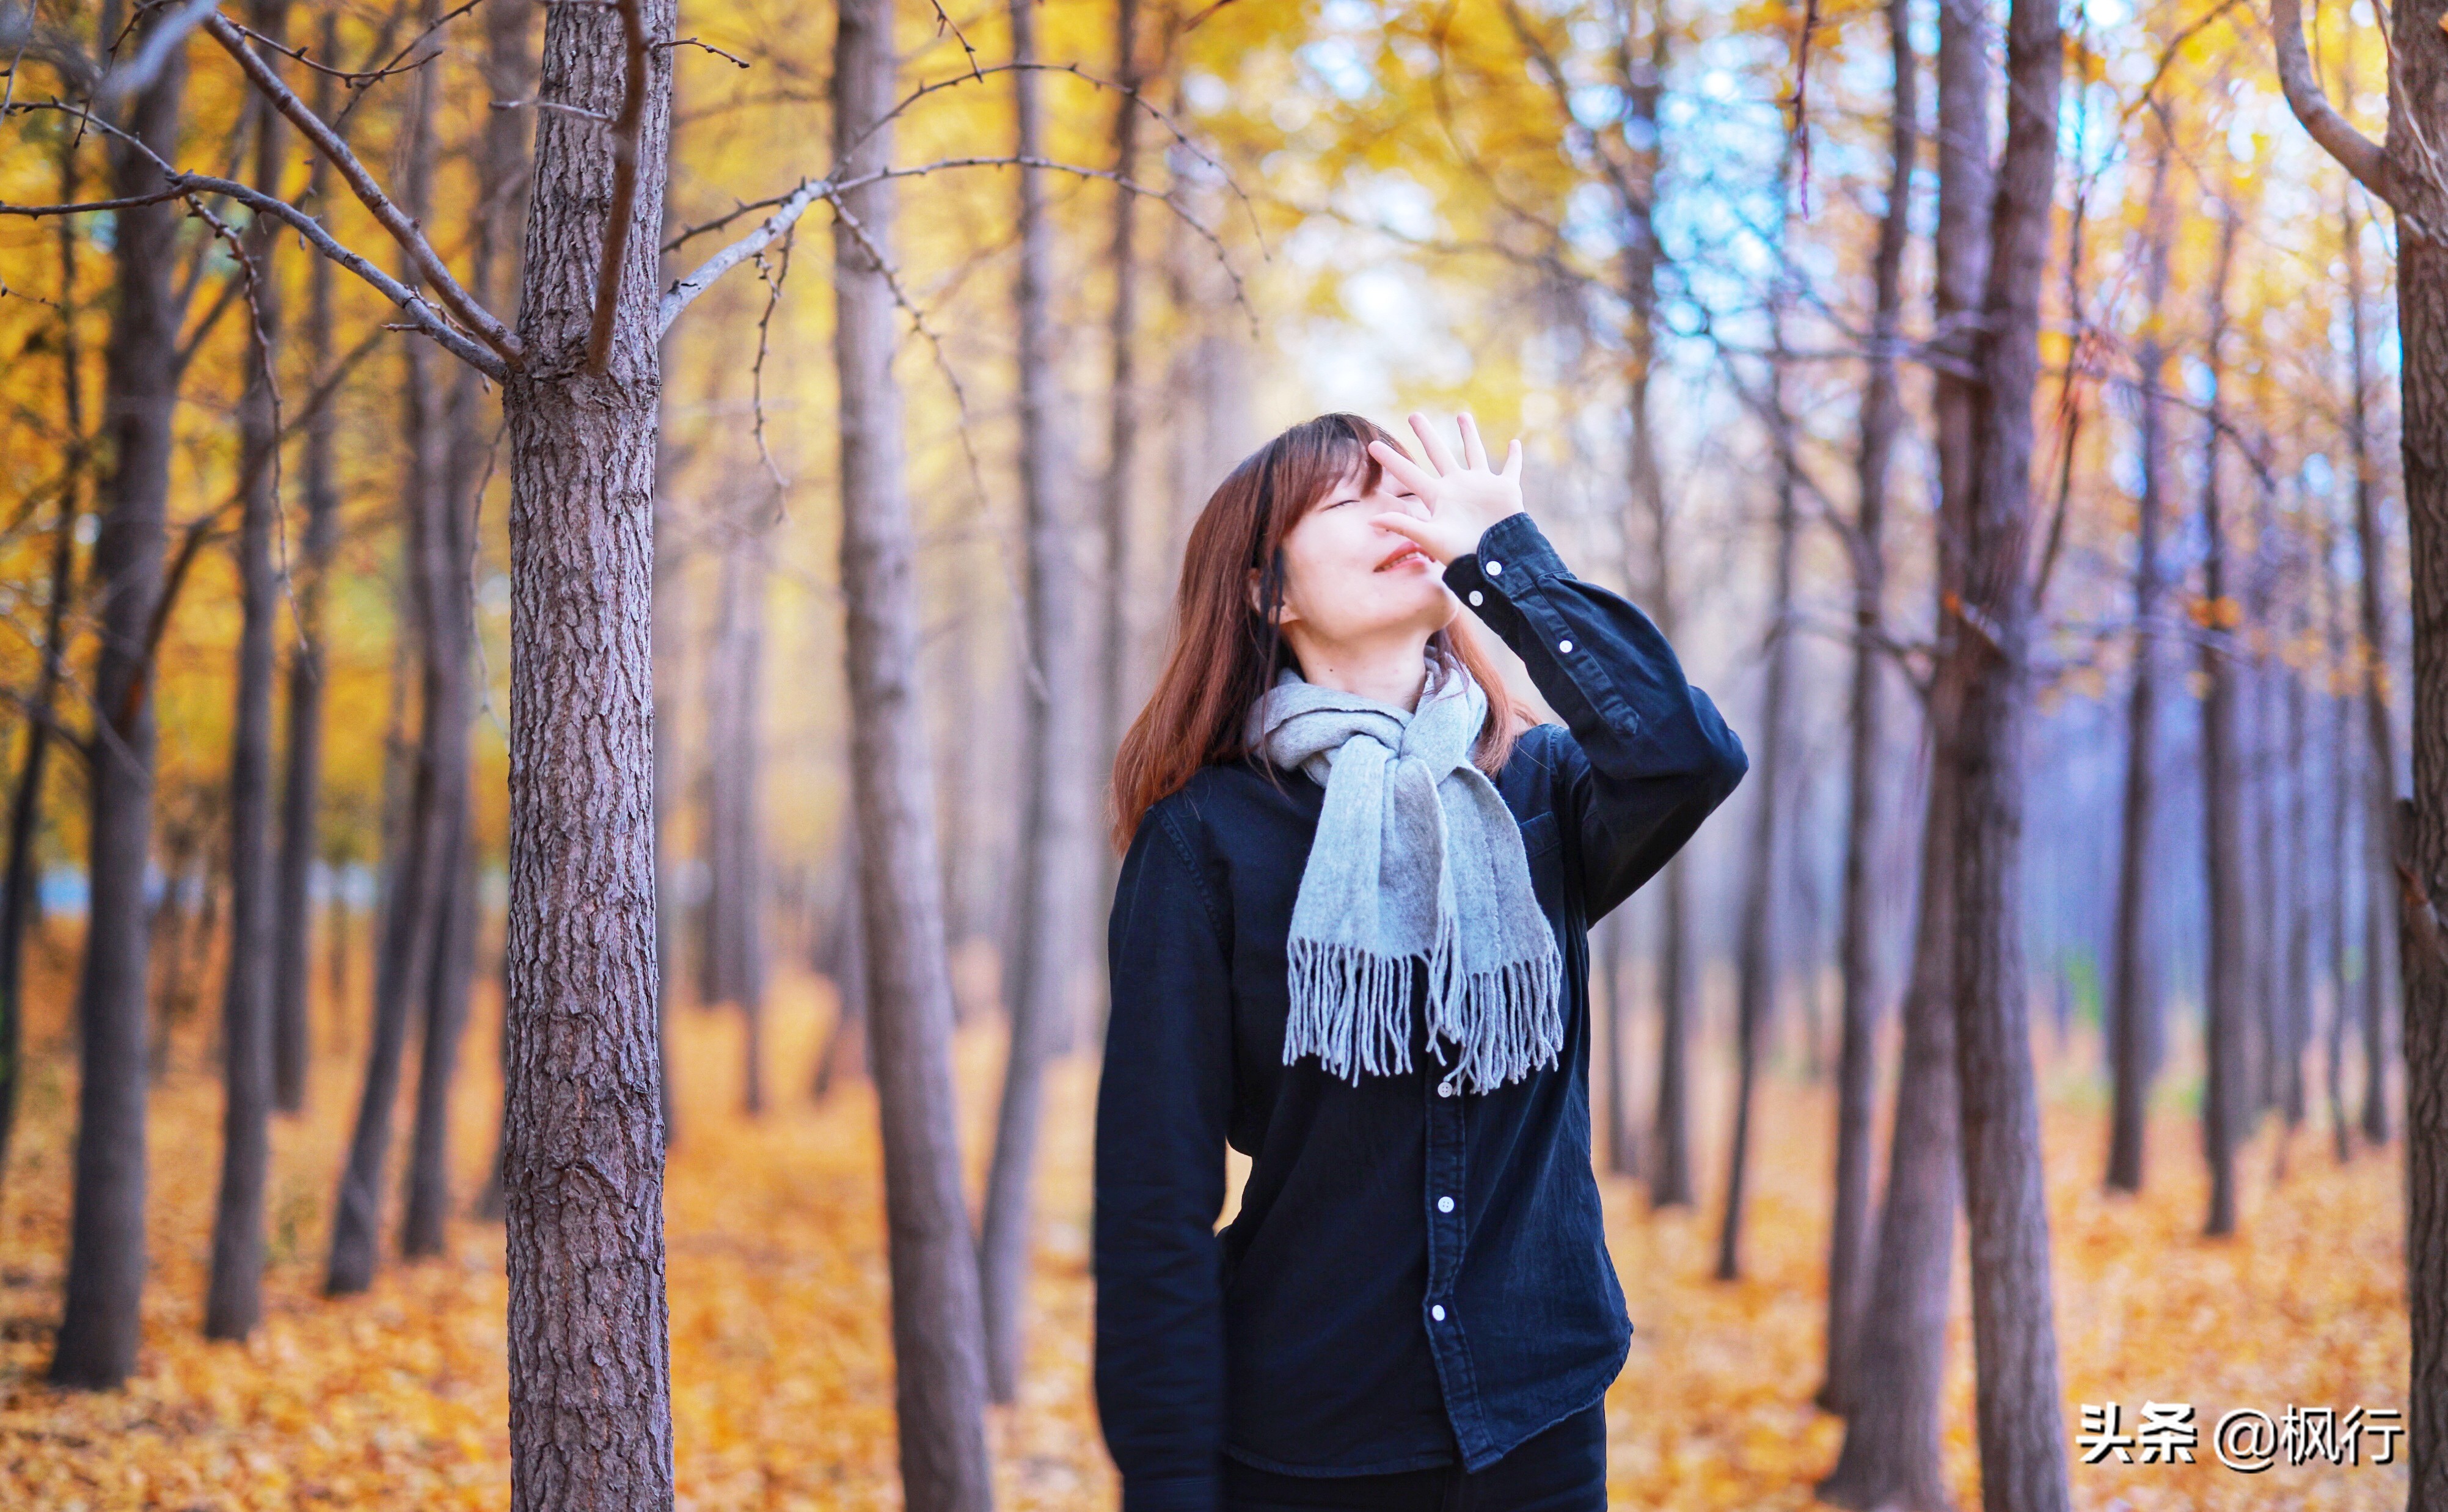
(699, 42)
(2356, 153)
(160, 44)
(627, 133)
(403, 230)
(180, 185)
(790, 207)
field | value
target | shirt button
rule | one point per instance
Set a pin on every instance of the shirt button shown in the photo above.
(1445, 1204)
(1564, 646)
(1438, 1312)
(1445, 1089)
(1496, 569)
(1477, 598)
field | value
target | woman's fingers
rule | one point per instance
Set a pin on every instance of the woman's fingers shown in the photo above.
(1405, 471)
(1433, 444)
(1473, 454)
(1512, 459)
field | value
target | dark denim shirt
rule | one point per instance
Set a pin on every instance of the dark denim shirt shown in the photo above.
(1417, 1275)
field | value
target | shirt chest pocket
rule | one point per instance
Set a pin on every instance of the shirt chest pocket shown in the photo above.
(1542, 847)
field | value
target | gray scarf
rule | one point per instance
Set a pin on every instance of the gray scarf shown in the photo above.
(1416, 859)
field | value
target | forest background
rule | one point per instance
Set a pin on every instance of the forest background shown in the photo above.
(1694, 252)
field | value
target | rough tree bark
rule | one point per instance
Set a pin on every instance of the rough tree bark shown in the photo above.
(2133, 1005)
(584, 1183)
(234, 1295)
(2019, 1408)
(939, 1388)
(2229, 985)
(105, 1277)
(1882, 424)
(1054, 861)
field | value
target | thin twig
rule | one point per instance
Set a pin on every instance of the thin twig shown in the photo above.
(627, 132)
(403, 230)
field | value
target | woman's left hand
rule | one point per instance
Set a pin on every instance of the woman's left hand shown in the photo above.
(1463, 498)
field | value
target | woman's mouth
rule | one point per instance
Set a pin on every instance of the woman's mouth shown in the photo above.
(1403, 557)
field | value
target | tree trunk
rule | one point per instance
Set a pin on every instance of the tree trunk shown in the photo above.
(2133, 1006)
(733, 963)
(1613, 1006)
(2017, 1405)
(2379, 817)
(841, 956)
(1757, 942)
(1049, 937)
(425, 1215)
(501, 172)
(234, 1298)
(1644, 84)
(2227, 998)
(937, 1336)
(1890, 1456)
(1116, 678)
(19, 902)
(1881, 421)
(301, 788)
(106, 1275)
(418, 898)
(583, 1180)
(2417, 120)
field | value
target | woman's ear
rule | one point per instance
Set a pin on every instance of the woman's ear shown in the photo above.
(1283, 614)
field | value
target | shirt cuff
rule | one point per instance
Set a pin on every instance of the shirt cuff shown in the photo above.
(1511, 554)
(1187, 1493)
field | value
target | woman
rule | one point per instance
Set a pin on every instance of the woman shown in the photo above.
(1350, 939)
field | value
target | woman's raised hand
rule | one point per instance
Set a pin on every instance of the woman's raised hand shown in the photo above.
(1463, 498)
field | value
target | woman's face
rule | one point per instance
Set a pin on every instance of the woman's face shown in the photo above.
(1348, 582)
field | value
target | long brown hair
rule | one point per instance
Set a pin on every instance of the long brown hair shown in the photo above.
(1226, 650)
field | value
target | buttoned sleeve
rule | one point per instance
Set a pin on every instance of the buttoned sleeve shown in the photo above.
(1162, 1107)
(1649, 756)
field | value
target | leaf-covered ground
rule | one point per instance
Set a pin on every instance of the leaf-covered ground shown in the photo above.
(781, 1376)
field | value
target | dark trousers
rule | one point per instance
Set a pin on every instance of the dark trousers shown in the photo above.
(1561, 1469)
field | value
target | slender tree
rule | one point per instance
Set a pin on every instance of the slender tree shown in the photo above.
(17, 899)
(1882, 426)
(2404, 171)
(2133, 1005)
(417, 895)
(234, 1298)
(1056, 857)
(301, 780)
(939, 1388)
(2017, 1405)
(1892, 1437)
(733, 960)
(2228, 995)
(96, 1347)
(1756, 948)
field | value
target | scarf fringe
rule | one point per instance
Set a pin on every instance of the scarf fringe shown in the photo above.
(1350, 1009)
